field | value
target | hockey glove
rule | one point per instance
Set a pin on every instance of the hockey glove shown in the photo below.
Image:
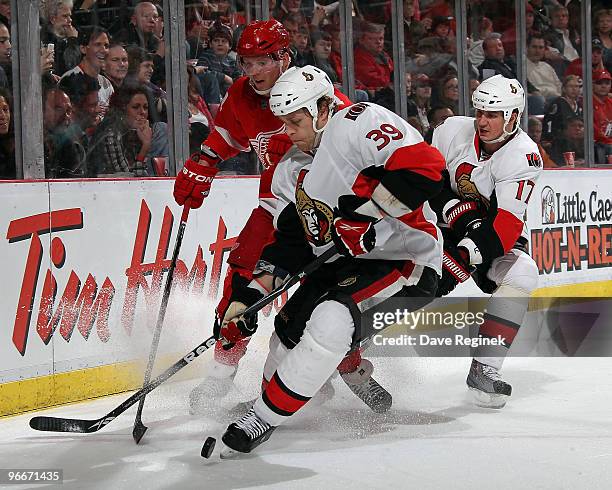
(233, 326)
(193, 182)
(455, 269)
(464, 216)
(278, 146)
(353, 233)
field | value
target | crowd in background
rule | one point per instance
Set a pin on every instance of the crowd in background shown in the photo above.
(103, 70)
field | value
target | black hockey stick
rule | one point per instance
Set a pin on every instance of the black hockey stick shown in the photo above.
(59, 424)
(139, 428)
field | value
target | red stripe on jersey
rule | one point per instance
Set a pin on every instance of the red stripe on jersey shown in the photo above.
(282, 397)
(376, 287)
(364, 186)
(493, 328)
(344, 101)
(417, 220)
(477, 145)
(420, 158)
(508, 228)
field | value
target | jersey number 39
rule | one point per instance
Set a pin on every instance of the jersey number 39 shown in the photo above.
(384, 135)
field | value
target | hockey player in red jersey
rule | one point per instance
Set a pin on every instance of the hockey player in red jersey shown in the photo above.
(244, 122)
(492, 167)
(365, 193)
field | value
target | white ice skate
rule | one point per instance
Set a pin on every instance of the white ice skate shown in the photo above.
(217, 384)
(486, 386)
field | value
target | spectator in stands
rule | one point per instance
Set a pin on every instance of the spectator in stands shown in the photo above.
(431, 61)
(289, 8)
(475, 43)
(561, 108)
(7, 137)
(335, 57)
(575, 67)
(225, 11)
(603, 32)
(321, 51)
(60, 32)
(94, 44)
(373, 66)
(140, 71)
(63, 151)
(196, 31)
(436, 116)
(141, 29)
(422, 99)
(83, 93)
(441, 28)
(299, 38)
(509, 35)
(217, 58)
(541, 75)
(386, 97)
(542, 16)
(561, 40)
(5, 12)
(602, 116)
(495, 62)
(447, 94)
(116, 65)
(125, 141)
(5, 57)
(534, 129)
(200, 119)
(572, 140)
(413, 30)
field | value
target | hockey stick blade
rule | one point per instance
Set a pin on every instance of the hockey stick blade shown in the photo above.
(59, 424)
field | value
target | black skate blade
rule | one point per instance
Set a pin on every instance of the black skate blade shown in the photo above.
(138, 432)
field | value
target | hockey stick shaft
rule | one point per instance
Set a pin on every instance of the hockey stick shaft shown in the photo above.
(58, 424)
(139, 427)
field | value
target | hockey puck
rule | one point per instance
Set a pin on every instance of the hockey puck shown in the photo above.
(208, 447)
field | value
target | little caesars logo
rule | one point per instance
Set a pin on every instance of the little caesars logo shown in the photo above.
(316, 216)
(559, 208)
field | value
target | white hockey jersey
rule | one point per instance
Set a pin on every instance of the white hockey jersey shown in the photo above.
(503, 181)
(362, 145)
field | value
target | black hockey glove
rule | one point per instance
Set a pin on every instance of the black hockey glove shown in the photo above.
(464, 217)
(353, 233)
(455, 269)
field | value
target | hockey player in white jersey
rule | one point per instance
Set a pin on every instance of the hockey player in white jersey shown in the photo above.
(492, 167)
(366, 194)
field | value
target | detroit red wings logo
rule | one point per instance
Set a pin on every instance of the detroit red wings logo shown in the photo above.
(260, 144)
(465, 187)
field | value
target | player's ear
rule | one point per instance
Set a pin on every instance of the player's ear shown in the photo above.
(323, 114)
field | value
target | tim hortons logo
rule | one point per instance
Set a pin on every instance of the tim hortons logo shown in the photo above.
(84, 303)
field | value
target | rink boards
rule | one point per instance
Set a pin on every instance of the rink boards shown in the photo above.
(83, 268)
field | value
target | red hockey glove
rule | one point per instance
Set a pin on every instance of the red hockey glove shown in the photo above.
(278, 146)
(193, 182)
(455, 269)
(464, 216)
(353, 233)
(233, 325)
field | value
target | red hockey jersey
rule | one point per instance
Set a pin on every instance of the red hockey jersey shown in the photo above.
(245, 121)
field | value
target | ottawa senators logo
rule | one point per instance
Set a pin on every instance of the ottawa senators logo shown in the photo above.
(316, 217)
(513, 89)
(465, 187)
(308, 76)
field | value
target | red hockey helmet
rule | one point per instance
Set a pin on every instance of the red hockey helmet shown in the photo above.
(262, 38)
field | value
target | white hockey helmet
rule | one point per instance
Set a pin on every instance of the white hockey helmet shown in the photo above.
(501, 94)
(301, 88)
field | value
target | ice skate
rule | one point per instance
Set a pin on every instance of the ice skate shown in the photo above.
(217, 384)
(487, 388)
(367, 388)
(245, 434)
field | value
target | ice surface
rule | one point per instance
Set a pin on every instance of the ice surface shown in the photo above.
(555, 432)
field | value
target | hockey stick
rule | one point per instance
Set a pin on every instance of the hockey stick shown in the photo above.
(59, 424)
(139, 428)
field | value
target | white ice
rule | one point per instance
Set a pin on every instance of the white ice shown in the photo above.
(555, 432)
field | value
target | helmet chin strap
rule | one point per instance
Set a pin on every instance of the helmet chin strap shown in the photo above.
(505, 134)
